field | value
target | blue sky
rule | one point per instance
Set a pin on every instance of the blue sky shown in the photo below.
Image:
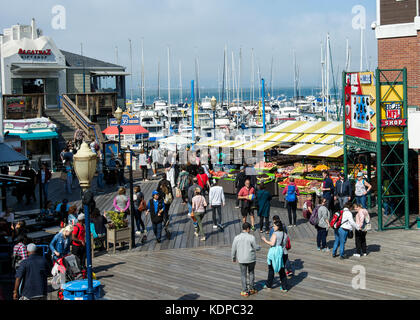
(202, 28)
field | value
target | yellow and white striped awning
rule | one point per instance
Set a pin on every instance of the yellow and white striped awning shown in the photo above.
(308, 138)
(279, 137)
(324, 127)
(331, 139)
(315, 150)
(258, 145)
(207, 143)
(227, 143)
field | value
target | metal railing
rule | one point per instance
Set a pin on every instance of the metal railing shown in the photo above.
(79, 119)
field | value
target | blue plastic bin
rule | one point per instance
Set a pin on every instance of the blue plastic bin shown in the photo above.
(77, 290)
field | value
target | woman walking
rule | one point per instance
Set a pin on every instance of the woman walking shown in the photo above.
(69, 177)
(277, 256)
(183, 183)
(341, 234)
(167, 196)
(322, 226)
(362, 220)
(199, 205)
(143, 164)
(140, 207)
(263, 198)
(292, 192)
(121, 201)
(362, 188)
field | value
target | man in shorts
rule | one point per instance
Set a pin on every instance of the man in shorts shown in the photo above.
(247, 195)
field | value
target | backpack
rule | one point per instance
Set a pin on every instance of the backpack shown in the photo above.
(313, 220)
(291, 193)
(336, 220)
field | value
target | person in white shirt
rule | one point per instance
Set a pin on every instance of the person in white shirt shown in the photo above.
(347, 225)
(155, 154)
(143, 164)
(216, 201)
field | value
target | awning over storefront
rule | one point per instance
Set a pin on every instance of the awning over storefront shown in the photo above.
(308, 138)
(126, 130)
(36, 135)
(10, 157)
(227, 144)
(315, 150)
(331, 139)
(324, 127)
(258, 145)
(28, 67)
(109, 73)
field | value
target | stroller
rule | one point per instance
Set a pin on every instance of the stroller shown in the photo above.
(66, 269)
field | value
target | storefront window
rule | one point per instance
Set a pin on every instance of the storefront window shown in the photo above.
(36, 148)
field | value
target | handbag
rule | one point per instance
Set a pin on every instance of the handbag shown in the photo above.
(350, 234)
(142, 206)
(367, 226)
(178, 193)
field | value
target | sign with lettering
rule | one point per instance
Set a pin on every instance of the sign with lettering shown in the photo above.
(126, 120)
(393, 113)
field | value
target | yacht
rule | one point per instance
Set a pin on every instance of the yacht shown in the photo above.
(206, 103)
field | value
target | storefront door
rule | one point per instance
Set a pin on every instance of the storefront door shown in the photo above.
(51, 89)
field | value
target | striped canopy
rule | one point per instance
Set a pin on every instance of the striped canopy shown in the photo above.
(315, 150)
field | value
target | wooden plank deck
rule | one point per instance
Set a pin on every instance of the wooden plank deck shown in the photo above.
(208, 273)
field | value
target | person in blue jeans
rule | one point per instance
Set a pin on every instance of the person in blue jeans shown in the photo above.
(156, 208)
(362, 188)
(341, 233)
(60, 244)
(69, 179)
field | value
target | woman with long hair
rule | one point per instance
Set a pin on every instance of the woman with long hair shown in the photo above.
(122, 202)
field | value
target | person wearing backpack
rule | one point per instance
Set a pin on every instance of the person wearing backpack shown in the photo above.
(20, 252)
(167, 197)
(322, 226)
(361, 189)
(239, 183)
(343, 227)
(140, 207)
(292, 192)
(363, 221)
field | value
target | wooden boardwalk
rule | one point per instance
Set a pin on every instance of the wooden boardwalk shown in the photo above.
(183, 267)
(392, 269)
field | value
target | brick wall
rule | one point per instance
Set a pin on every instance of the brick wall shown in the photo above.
(396, 53)
(75, 81)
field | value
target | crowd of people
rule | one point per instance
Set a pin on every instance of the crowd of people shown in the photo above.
(200, 193)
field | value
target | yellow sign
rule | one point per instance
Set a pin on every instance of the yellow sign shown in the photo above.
(392, 96)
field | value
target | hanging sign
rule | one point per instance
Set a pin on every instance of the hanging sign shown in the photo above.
(393, 113)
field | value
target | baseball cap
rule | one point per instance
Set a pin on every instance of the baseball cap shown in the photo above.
(81, 216)
(31, 247)
(155, 192)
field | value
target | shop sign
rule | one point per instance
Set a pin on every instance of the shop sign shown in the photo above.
(9, 126)
(15, 105)
(34, 54)
(393, 113)
(365, 78)
(126, 120)
(38, 126)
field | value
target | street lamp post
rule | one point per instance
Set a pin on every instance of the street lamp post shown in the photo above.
(118, 117)
(85, 166)
(213, 102)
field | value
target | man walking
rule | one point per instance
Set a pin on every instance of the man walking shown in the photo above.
(191, 193)
(155, 160)
(216, 201)
(239, 183)
(44, 175)
(156, 208)
(33, 274)
(244, 249)
(29, 186)
(342, 190)
(247, 195)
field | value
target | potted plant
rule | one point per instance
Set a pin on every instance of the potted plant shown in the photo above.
(118, 230)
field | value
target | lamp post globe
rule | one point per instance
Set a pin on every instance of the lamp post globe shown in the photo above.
(118, 114)
(213, 102)
(85, 165)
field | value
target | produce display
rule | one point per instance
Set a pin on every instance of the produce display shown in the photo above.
(265, 165)
(218, 174)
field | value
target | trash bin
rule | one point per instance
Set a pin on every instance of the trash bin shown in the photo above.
(418, 222)
(77, 290)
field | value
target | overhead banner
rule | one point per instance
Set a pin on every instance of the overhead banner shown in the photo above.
(360, 115)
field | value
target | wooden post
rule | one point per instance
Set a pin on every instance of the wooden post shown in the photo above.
(97, 104)
(87, 105)
(77, 100)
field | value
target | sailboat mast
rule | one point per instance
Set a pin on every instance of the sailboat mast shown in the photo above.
(218, 82)
(239, 76)
(322, 78)
(233, 76)
(131, 71)
(223, 77)
(142, 73)
(361, 49)
(180, 82)
(252, 77)
(328, 76)
(158, 78)
(169, 80)
(271, 76)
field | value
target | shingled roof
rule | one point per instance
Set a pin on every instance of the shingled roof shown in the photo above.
(78, 61)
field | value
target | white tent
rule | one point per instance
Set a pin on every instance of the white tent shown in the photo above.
(178, 140)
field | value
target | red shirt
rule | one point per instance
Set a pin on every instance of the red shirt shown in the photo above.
(80, 233)
(246, 192)
(202, 180)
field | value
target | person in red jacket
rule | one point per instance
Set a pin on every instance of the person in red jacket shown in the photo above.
(44, 175)
(291, 192)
